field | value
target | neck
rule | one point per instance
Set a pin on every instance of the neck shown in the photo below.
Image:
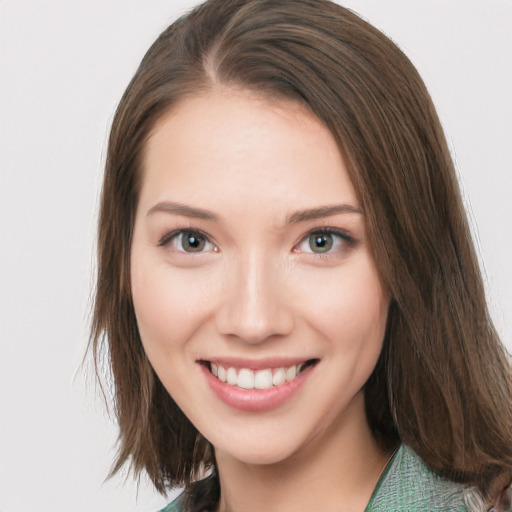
(337, 466)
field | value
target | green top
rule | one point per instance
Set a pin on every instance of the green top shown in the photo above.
(407, 485)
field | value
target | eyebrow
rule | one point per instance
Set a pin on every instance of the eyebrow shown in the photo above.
(294, 218)
(181, 209)
(322, 211)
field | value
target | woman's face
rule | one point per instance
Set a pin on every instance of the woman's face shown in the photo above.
(257, 299)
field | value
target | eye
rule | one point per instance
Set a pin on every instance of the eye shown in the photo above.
(188, 240)
(322, 241)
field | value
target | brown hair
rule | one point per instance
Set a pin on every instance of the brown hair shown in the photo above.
(442, 384)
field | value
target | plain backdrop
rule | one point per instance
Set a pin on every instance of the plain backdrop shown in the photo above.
(63, 67)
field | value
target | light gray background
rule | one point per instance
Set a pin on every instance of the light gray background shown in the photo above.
(64, 65)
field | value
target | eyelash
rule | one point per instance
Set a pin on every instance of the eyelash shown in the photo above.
(343, 236)
(174, 235)
(344, 239)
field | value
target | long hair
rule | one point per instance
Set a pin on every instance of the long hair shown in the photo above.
(442, 384)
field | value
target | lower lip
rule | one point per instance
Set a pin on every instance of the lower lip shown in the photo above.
(255, 400)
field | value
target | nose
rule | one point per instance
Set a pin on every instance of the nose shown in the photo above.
(254, 306)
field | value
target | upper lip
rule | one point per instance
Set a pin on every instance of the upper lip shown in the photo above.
(257, 364)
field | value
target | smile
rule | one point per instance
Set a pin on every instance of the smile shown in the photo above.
(256, 386)
(265, 378)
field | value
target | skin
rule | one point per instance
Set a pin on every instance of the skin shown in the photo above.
(258, 289)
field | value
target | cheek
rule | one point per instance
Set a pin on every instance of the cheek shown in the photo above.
(349, 307)
(169, 305)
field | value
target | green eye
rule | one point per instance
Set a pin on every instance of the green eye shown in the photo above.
(325, 240)
(320, 242)
(188, 241)
(192, 241)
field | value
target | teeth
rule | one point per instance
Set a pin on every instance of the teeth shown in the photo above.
(245, 379)
(291, 373)
(279, 377)
(260, 379)
(231, 377)
(263, 379)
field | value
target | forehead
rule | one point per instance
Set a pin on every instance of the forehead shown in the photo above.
(237, 146)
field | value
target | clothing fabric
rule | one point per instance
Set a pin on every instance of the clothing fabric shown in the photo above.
(406, 485)
(174, 506)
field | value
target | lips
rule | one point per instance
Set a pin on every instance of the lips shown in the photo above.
(256, 386)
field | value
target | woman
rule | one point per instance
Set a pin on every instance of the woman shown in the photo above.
(293, 308)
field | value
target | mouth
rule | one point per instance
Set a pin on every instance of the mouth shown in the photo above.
(258, 379)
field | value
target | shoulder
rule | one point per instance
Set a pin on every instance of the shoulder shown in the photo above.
(410, 486)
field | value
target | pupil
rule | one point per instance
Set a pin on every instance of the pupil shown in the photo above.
(193, 242)
(320, 242)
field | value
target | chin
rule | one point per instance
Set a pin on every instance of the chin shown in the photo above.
(260, 458)
(266, 451)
